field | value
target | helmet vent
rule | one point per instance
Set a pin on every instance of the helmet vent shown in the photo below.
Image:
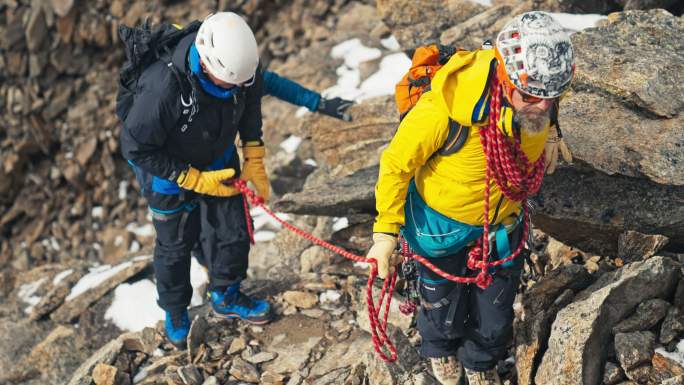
(211, 40)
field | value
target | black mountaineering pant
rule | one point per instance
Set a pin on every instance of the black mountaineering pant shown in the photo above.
(463, 320)
(222, 222)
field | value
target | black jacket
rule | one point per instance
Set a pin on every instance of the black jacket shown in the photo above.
(171, 126)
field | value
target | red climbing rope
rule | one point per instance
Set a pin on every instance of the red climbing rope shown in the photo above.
(513, 174)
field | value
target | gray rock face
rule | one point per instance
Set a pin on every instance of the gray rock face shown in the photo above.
(581, 331)
(673, 325)
(540, 305)
(633, 245)
(419, 23)
(647, 315)
(623, 71)
(577, 205)
(634, 349)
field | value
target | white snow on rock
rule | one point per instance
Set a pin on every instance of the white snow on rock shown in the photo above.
(264, 236)
(95, 277)
(27, 293)
(330, 296)
(340, 223)
(291, 144)
(311, 162)
(354, 52)
(123, 188)
(390, 43)
(135, 306)
(60, 276)
(135, 247)
(677, 355)
(575, 22)
(146, 230)
(349, 86)
(264, 221)
(392, 68)
(97, 212)
(198, 278)
(486, 3)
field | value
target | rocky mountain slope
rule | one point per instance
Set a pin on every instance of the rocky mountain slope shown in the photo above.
(603, 303)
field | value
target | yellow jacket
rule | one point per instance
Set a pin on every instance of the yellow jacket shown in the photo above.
(453, 185)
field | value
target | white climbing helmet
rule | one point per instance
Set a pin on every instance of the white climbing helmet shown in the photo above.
(536, 54)
(227, 47)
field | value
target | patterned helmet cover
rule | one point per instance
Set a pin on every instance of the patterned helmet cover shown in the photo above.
(537, 54)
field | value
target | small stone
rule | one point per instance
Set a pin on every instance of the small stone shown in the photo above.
(647, 315)
(272, 378)
(633, 245)
(190, 375)
(261, 357)
(612, 374)
(295, 379)
(244, 371)
(36, 29)
(289, 310)
(211, 380)
(665, 367)
(634, 349)
(257, 329)
(679, 380)
(300, 299)
(673, 325)
(313, 313)
(237, 345)
(104, 374)
(197, 336)
(62, 7)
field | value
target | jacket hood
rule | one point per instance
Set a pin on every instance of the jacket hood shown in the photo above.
(460, 87)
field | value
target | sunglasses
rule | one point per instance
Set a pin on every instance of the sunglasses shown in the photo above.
(529, 98)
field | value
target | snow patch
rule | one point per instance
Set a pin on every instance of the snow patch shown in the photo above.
(135, 247)
(291, 144)
(95, 277)
(392, 68)
(301, 112)
(60, 276)
(135, 306)
(486, 3)
(311, 162)
(97, 212)
(390, 43)
(198, 278)
(123, 189)
(677, 355)
(330, 296)
(354, 52)
(27, 293)
(264, 236)
(576, 22)
(262, 220)
(340, 223)
(145, 231)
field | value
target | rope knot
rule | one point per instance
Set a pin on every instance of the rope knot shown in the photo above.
(483, 280)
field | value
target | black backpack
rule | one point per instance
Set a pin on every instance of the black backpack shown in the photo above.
(144, 47)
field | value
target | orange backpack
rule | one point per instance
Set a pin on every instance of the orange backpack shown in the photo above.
(425, 63)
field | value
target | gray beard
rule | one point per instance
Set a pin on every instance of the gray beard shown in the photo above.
(533, 120)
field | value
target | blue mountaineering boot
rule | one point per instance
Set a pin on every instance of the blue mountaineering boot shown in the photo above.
(176, 328)
(234, 304)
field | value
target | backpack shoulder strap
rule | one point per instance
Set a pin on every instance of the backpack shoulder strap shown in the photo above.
(455, 139)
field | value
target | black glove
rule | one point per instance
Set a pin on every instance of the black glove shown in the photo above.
(335, 107)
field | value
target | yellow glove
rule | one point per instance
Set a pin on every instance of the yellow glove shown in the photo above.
(555, 144)
(253, 170)
(383, 251)
(207, 182)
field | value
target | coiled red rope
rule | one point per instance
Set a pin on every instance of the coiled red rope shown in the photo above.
(513, 174)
